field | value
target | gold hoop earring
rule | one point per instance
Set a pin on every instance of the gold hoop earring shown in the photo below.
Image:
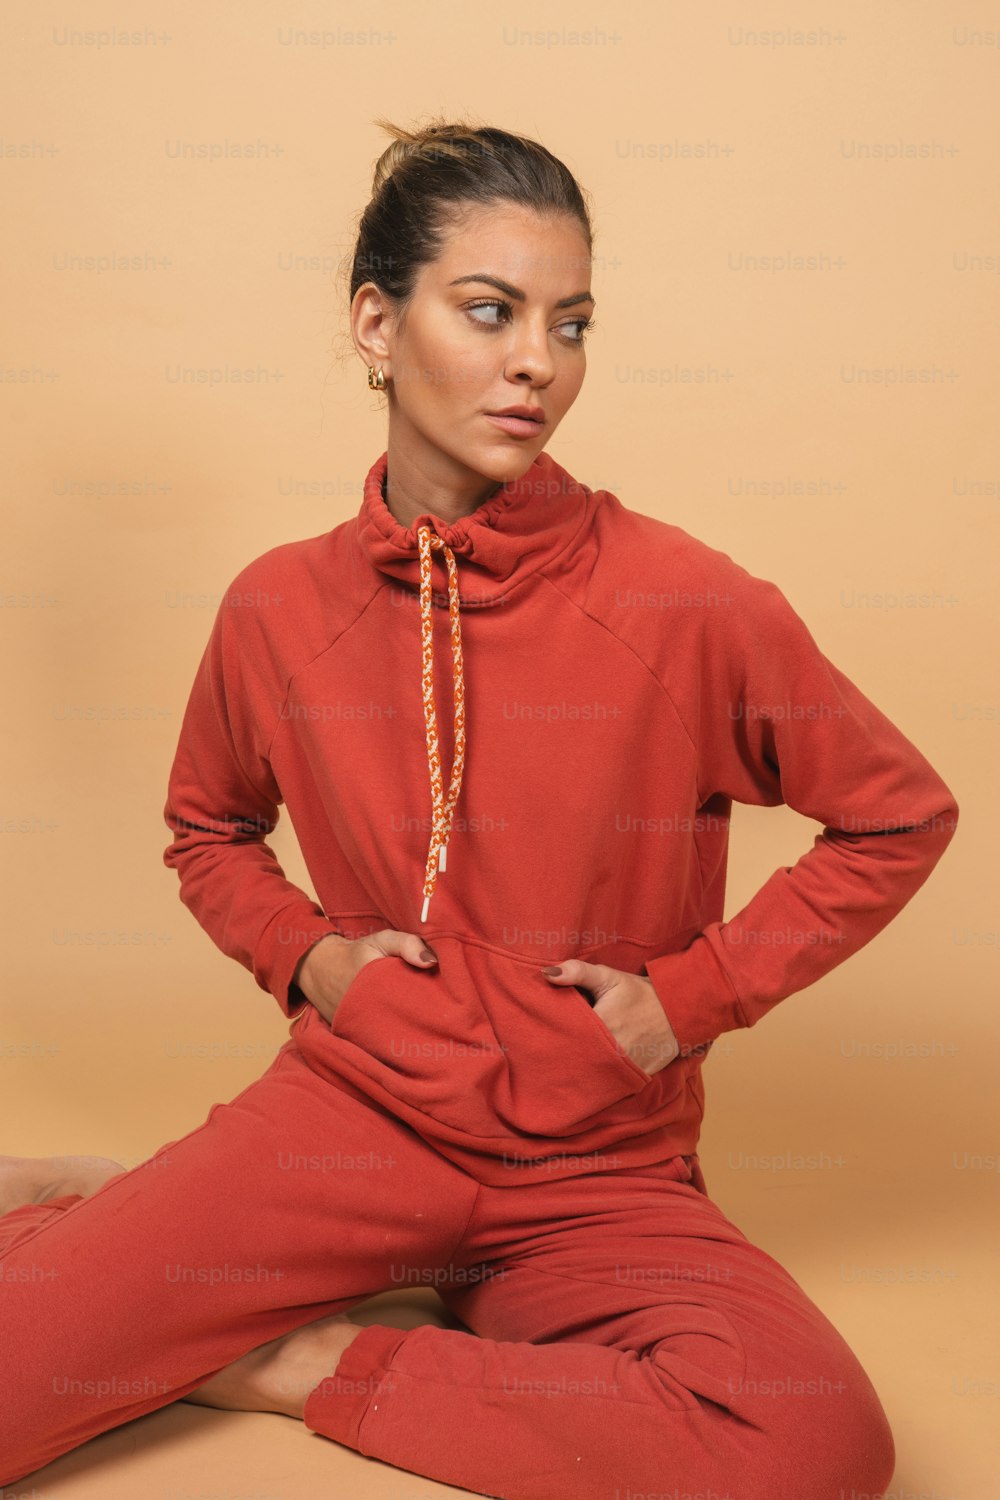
(376, 382)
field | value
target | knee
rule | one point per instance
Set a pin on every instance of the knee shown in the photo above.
(785, 1422)
(869, 1450)
(835, 1446)
(777, 1433)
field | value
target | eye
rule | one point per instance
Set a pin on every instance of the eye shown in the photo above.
(582, 324)
(488, 302)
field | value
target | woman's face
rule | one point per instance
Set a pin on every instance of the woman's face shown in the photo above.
(498, 320)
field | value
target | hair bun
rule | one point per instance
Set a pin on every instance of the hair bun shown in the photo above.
(409, 143)
(392, 157)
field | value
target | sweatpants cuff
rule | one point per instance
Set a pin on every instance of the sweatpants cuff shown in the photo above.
(336, 1406)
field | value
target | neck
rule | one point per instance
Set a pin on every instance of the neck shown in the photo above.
(422, 479)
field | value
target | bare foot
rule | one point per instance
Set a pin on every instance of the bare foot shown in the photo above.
(37, 1179)
(278, 1376)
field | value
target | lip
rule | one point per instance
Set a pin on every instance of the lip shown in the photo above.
(531, 413)
(519, 421)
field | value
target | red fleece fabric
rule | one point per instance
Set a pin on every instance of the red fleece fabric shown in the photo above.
(624, 684)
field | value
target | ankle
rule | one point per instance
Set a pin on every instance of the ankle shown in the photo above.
(22, 1178)
(309, 1358)
(28, 1180)
(78, 1176)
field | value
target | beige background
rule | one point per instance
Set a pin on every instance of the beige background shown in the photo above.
(774, 422)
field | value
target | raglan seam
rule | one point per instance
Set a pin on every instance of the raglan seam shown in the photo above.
(308, 663)
(596, 619)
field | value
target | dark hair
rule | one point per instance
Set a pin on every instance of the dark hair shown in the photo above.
(426, 177)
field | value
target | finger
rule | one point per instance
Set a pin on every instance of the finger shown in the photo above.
(389, 942)
(413, 948)
(564, 972)
(576, 971)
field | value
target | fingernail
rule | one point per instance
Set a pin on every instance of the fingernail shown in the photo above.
(428, 956)
(552, 969)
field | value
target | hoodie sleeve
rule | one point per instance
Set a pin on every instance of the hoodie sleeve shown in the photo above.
(775, 721)
(222, 802)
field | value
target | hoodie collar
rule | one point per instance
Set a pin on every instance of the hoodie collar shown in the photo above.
(523, 525)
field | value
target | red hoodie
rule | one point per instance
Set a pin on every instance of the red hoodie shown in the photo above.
(605, 685)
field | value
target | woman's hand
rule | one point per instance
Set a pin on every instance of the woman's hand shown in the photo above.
(326, 970)
(629, 1007)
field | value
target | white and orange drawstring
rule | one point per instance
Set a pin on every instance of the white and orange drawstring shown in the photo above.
(442, 811)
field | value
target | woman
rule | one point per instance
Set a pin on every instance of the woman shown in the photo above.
(478, 699)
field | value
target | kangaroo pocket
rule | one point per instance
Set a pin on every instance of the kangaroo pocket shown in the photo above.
(484, 1044)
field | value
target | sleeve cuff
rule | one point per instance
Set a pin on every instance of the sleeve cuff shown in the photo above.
(697, 997)
(283, 942)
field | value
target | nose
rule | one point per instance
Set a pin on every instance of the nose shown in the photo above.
(531, 353)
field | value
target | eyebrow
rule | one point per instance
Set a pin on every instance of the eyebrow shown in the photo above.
(515, 292)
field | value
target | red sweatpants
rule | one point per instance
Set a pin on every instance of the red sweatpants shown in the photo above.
(626, 1338)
